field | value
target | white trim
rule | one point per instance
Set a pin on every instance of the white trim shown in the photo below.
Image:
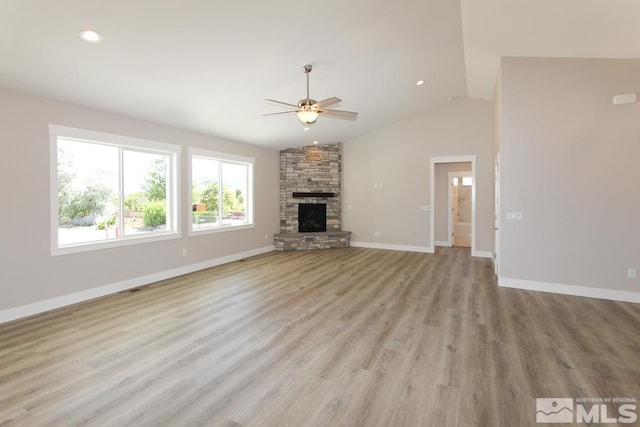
(406, 248)
(110, 139)
(53, 191)
(176, 215)
(214, 155)
(114, 243)
(453, 159)
(496, 223)
(581, 291)
(483, 254)
(173, 151)
(219, 229)
(443, 243)
(58, 302)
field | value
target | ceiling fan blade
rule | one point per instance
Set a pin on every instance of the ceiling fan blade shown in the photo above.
(328, 102)
(278, 114)
(341, 114)
(281, 103)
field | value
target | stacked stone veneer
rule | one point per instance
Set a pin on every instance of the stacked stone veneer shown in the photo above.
(314, 169)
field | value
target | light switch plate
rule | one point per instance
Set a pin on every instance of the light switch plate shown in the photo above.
(514, 216)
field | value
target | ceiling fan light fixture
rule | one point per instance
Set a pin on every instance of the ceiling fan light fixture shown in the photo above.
(307, 117)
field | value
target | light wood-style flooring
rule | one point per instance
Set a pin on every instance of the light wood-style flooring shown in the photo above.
(344, 337)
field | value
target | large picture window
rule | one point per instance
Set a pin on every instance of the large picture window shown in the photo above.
(111, 190)
(221, 191)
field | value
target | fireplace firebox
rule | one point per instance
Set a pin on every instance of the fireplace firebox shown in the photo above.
(312, 217)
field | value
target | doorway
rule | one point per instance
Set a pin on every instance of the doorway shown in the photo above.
(439, 205)
(459, 221)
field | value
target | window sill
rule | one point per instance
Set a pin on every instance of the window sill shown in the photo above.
(222, 229)
(115, 243)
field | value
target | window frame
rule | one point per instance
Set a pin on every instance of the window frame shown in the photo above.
(173, 151)
(222, 158)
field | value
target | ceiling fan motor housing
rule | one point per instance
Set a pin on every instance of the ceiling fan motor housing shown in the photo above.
(307, 103)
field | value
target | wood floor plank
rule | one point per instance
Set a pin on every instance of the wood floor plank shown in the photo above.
(345, 337)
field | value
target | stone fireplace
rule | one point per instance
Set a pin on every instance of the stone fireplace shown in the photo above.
(311, 177)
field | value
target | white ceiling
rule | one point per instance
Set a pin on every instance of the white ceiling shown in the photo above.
(208, 65)
(544, 28)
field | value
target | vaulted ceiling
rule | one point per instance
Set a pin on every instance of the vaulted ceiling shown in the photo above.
(208, 65)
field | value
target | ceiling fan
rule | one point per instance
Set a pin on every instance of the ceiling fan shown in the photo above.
(309, 109)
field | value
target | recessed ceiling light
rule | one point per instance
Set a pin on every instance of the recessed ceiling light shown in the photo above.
(306, 128)
(315, 142)
(90, 36)
(419, 82)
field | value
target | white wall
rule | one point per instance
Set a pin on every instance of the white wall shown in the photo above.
(397, 156)
(29, 274)
(569, 164)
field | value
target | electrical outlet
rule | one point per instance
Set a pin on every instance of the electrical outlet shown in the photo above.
(377, 234)
(631, 273)
(266, 237)
(184, 252)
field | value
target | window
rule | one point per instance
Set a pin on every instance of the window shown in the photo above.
(111, 190)
(221, 191)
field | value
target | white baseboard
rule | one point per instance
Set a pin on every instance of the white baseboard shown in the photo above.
(479, 254)
(422, 249)
(406, 248)
(65, 300)
(483, 254)
(581, 291)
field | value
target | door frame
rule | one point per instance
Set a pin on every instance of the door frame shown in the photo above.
(453, 159)
(496, 235)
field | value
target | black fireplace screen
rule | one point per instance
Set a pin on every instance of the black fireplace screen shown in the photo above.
(312, 217)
